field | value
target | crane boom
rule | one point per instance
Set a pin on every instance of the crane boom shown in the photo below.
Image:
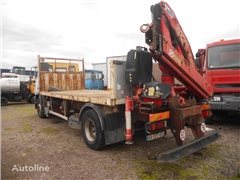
(171, 49)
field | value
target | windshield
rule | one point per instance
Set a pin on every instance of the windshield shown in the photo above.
(93, 75)
(225, 56)
(99, 75)
(88, 75)
(19, 70)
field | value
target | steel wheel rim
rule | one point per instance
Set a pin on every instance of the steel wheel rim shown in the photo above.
(90, 130)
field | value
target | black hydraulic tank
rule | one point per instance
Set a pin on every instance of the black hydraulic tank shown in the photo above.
(138, 67)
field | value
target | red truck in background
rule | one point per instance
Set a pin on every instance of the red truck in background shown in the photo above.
(219, 63)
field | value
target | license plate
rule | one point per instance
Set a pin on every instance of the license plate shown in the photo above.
(155, 136)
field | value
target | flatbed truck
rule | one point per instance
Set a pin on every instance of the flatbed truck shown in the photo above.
(133, 100)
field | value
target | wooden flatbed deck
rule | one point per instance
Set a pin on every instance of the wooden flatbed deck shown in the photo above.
(103, 97)
(72, 83)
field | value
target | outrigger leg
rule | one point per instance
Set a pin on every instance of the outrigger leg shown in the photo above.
(184, 150)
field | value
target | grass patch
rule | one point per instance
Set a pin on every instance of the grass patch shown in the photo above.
(108, 168)
(236, 177)
(28, 110)
(26, 127)
(50, 131)
(212, 150)
(152, 170)
(28, 149)
(191, 167)
(238, 174)
(9, 129)
(8, 115)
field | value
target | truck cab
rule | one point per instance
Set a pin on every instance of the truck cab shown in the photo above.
(94, 79)
(19, 70)
(62, 67)
(220, 65)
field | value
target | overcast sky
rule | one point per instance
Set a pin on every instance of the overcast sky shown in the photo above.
(94, 30)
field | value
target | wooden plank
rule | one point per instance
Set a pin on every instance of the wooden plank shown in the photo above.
(63, 81)
(102, 97)
(72, 86)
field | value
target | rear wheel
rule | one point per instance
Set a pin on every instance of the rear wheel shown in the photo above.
(92, 133)
(4, 101)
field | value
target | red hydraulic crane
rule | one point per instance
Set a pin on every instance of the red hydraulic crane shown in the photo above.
(170, 47)
(168, 105)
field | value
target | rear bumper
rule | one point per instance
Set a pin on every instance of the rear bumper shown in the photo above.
(229, 102)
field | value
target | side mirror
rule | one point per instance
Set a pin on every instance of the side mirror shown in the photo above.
(198, 61)
(198, 54)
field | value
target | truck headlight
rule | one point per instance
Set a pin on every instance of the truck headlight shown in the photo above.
(217, 98)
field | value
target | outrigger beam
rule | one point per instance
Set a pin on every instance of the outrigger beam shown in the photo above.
(184, 150)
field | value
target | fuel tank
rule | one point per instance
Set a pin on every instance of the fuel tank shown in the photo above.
(10, 84)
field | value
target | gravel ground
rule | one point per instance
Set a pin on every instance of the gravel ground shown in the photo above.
(34, 148)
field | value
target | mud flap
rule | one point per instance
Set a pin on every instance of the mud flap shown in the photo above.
(74, 122)
(184, 150)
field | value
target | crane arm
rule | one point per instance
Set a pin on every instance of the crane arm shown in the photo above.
(170, 47)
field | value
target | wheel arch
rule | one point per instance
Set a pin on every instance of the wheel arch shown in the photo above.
(97, 108)
(7, 96)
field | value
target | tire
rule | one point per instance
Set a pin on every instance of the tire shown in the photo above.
(209, 120)
(92, 133)
(36, 102)
(4, 101)
(40, 112)
(32, 99)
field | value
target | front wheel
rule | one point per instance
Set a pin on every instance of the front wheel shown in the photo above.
(92, 133)
(31, 100)
(4, 101)
(40, 111)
